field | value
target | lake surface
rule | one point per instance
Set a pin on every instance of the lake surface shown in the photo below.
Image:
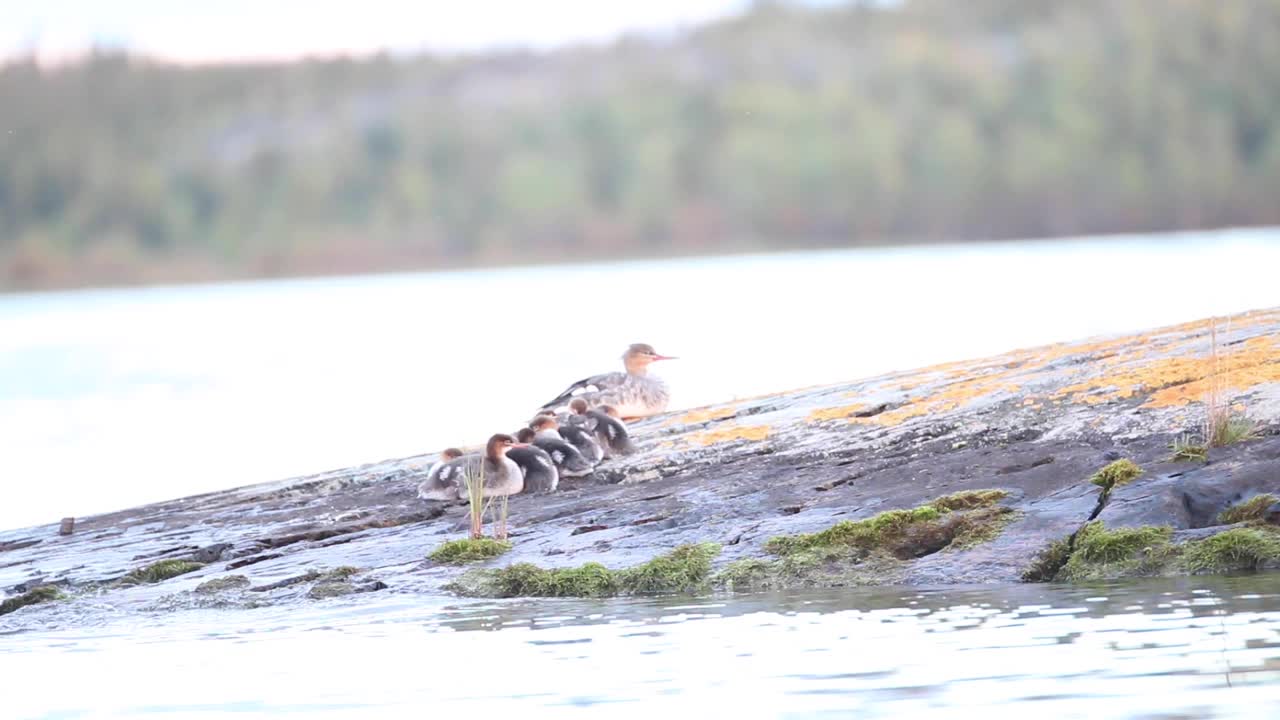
(110, 399)
(1189, 648)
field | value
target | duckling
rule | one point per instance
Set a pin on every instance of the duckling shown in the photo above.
(540, 474)
(501, 475)
(568, 459)
(610, 432)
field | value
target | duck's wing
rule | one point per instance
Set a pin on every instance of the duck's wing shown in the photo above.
(586, 386)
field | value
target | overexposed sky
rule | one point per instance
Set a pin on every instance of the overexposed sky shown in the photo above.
(217, 30)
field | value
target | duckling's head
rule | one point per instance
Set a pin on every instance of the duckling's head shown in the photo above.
(544, 422)
(578, 406)
(450, 454)
(498, 446)
(524, 435)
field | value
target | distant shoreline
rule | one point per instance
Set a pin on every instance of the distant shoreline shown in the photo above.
(179, 273)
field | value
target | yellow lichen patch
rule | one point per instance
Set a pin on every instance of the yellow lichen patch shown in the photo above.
(951, 398)
(702, 415)
(1175, 381)
(729, 434)
(835, 413)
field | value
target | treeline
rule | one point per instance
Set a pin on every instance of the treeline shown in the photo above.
(785, 127)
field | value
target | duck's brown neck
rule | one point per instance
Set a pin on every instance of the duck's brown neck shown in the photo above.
(636, 366)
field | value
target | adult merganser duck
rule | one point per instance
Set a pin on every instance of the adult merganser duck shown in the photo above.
(611, 433)
(501, 475)
(540, 474)
(635, 393)
(568, 459)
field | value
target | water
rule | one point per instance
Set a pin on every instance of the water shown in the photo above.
(109, 399)
(1198, 648)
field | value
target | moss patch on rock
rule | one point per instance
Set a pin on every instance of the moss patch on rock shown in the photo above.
(1252, 510)
(468, 550)
(160, 571)
(1099, 553)
(217, 585)
(34, 596)
(1049, 562)
(907, 533)
(685, 569)
(1118, 473)
(871, 551)
(1236, 549)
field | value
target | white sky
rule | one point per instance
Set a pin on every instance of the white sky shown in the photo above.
(278, 29)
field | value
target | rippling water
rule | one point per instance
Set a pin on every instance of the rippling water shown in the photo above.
(110, 399)
(1190, 648)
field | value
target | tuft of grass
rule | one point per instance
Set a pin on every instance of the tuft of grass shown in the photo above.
(230, 582)
(34, 596)
(1188, 449)
(1099, 553)
(1222, 427)
(1115, 474)
(982, 526)
(1048, 562)
(160, 571)
(460, 552)
(685, 569)
(1251, 510)
(473, 482)
(1227, 430)
(1236, 549)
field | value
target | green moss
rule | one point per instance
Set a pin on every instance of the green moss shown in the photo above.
(1099, 553)
(1251, 510)
(685, 569)
(230, 582)
(981, 526)
(342, 572)
(747, 575)
(1117, 473)
(969, 499)
(1049, 561)
(1187, 449)
(160, 571)
(460, 552)
(1237, 549)
(34, 596)
(904, 533)
(330, 588)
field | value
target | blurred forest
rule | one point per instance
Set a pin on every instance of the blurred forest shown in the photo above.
(782, 128)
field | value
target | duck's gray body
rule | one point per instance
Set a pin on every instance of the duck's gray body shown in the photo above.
(540, 474)
(633, 394)
(448, 480)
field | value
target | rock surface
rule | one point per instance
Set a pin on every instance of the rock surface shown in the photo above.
(1036, 423)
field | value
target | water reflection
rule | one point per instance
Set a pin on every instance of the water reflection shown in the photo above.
(1200, 647)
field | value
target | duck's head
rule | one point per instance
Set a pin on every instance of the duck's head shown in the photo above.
(450, 454)
(524, 435)
(640, 355)
(544, 422)
(578, 406)
(498, 446)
